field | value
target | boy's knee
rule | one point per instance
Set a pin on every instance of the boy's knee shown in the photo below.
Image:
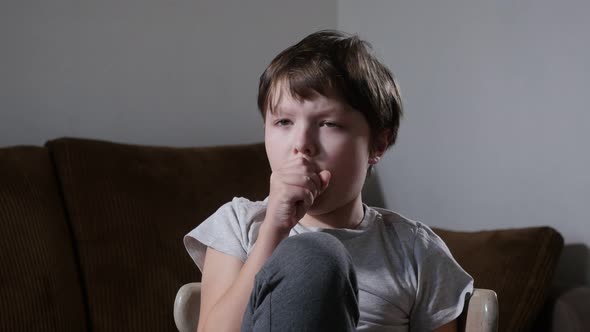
(312, 243)
(321, 253)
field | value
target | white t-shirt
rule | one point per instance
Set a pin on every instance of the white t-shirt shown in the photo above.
(407, 278)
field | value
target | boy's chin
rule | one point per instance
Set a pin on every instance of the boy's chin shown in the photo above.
(317, 208)
(321, 205)
(327, 203)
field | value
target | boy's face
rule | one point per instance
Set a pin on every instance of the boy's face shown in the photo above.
(331, 134)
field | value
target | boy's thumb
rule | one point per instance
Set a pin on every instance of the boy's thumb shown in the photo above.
(325, 177)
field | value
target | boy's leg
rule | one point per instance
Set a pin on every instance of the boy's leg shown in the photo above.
(308, 284)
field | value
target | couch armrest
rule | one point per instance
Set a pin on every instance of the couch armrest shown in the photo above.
(481, 313)
(186, 307)
(572, 311)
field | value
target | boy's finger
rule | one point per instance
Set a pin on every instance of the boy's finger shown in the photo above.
(311, 181)
(303, 205)
(317, 183)
(301, 161)
(325, 176)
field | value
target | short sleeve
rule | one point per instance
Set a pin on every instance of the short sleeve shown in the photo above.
(442, 285)
(226, 231)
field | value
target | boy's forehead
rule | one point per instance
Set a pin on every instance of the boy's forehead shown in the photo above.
(318, 104)
(280, 93)
(283, 100)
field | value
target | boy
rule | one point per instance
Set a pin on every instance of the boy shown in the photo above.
(312, 256)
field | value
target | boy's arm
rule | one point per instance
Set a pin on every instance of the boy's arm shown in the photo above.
(293, 188)
(227, 284)
(219, 272)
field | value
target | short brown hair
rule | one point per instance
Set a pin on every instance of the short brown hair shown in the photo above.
(331, 61)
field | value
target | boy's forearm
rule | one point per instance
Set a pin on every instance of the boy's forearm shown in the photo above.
(227, 313)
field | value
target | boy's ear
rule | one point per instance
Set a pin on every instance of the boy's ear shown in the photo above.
(379, 146)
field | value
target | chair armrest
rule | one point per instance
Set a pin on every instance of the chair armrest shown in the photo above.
(572, 311)
(481, 314)
(186, 307)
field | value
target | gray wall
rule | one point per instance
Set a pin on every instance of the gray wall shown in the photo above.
(498, 124)
(180, 72)
(495, 92)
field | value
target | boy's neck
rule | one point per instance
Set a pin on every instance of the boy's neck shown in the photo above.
(350, 215)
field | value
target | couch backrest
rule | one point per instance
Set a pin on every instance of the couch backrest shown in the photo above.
(130, 207)
(518, 264)
(40, 286)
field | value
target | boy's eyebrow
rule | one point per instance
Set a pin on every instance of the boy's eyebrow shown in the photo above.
(277, 111)
(280, 111)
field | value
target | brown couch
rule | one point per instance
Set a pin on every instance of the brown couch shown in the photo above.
(92, 235)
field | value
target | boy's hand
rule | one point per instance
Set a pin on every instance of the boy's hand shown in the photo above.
(293, 189)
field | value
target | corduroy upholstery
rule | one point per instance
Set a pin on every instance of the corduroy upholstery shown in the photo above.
(92, 235)
(518, 264)
(40, 288)
(131, 205)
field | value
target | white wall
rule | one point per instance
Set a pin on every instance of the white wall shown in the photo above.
(180, 72)
(498, 124)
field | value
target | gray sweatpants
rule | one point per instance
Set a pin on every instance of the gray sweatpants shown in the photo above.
(307, 285)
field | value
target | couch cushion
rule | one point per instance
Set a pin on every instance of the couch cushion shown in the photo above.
(39, 283)
(130, 207)
(518, 264)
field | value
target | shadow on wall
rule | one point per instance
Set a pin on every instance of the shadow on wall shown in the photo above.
(573, 268)
(372, 191)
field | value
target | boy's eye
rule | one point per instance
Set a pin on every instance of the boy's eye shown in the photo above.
(282, 122)
(329, 124)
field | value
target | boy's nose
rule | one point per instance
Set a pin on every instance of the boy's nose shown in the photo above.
(305, 149)
(305, 144)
